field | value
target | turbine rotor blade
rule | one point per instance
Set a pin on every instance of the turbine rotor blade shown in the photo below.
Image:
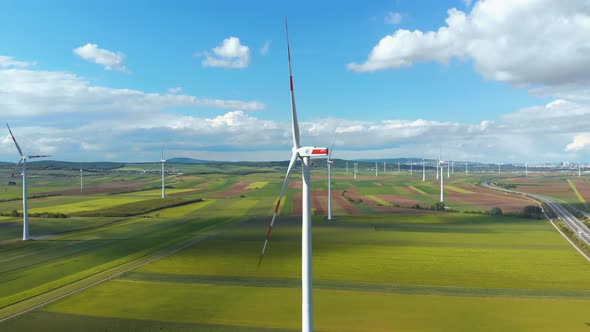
(38, 156)
(296, 141)
(162, 152)
(14, 139)
(274, 215)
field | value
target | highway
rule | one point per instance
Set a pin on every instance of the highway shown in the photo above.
(578, 227)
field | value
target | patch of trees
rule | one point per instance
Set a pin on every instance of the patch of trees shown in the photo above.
(506, 185)
(15, 213)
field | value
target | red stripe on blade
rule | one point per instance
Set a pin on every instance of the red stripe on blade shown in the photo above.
(277, 207)
(291, 80)
(323, 152)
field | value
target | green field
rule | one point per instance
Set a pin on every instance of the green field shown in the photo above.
(194, 267)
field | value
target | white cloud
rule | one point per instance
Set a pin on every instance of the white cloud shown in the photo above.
(37, 93)
(581, 141)
(393, 18)
(525, 42)
(110, 60)
(467, 3)
(175, 90)
(230, 54)
(265, 48)
(8, 61)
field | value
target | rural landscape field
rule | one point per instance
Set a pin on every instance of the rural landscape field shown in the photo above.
(266, 166)
(380, 265)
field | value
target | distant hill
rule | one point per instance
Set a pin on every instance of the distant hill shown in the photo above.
(55, 165)
(187, 161)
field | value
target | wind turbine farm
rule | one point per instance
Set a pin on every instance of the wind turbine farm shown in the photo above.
(167, 181)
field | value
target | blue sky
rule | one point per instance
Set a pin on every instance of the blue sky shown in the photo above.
(94, 80)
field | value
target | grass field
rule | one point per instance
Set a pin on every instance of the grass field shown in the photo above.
(373, 271)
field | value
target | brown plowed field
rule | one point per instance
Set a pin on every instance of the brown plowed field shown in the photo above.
(340, 205)
(485, 199)
(104, 188)
(399, 200)
(234, 190)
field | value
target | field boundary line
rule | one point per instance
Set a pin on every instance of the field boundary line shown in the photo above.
(568, 239)
(580, 197)
(194, 241)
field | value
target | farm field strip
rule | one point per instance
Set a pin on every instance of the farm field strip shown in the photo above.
(578, 195)
(180, 211)
(257, 185)
(88, 205)
(458, 190)
(356, 286)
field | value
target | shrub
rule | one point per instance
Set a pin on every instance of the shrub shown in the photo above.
(496, 211)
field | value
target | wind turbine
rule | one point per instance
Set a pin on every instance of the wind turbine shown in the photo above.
(81, 181)
(23, 160)
(355, 169)
(376, 170)
(499, 171)
(466, 171)
(449, 170)
(384, 168)
(347, 167)
(163, 161)
(398, 167)
(330, 162)
(579, 169)
(411, 167)
(442, 182)
(304, 153)
(423, 171)
(526, 169)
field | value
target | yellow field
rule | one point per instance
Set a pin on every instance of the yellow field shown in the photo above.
(93, 204)
(459, 190)
(180, 211)
(580, 197)
(378, 200)
(257, 185)
(157, 192)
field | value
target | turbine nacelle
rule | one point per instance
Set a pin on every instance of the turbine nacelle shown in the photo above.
(311, 151)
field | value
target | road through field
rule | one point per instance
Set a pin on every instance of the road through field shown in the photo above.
(563, 214)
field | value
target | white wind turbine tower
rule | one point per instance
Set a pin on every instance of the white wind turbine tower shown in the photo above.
(163, 161)
(23, 160)
(449, 170)
(81, 181)
(423, 171)
(398, 167)
(355, 169)
(347, 167)
(579, 169)
(442, 182)
(411, 167)
(304, 153)
(330, 162)
(376, 170)
(526, 169)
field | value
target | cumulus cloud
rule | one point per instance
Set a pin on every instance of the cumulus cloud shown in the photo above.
(393, 18)
(533, 42)
(230, 54)
(265, 48)
(110, 60)
(581, 141)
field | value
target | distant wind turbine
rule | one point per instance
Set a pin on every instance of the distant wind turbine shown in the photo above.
(330, 162)
(81, 182)
(442, 182)
(347, 167)
(304, 153)
(579, 169)
(526, 169)
(384, 168)
(163, 161)
(411, 167)
(423, 171)
(376, 170)
(466, 171)
(23, 160)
